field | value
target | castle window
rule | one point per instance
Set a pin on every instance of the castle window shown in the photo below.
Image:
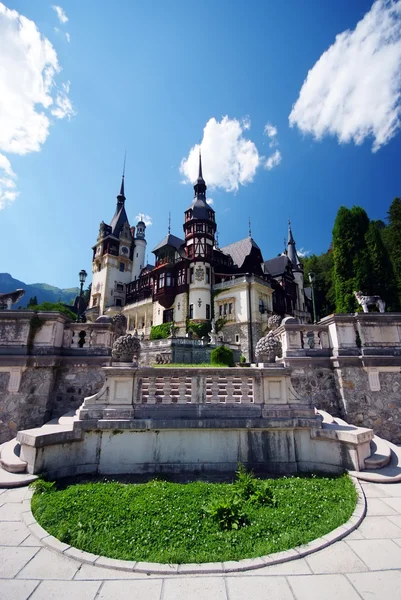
(191, 275)
(207, 275)
(230, 308)
(122, 267)
(119, 287)
(261, 306)
(237, 338)
(225, 309)
(99, 267)
(191, 311)
(207, 311)
(169, 280)
(161, 281)
(220, 310)
(119, 302)
(137, 254)
(199, 227)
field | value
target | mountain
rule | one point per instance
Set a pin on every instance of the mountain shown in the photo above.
(43, 291)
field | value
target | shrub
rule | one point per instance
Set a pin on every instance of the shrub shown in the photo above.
(245, 482)
(242, 359)
(222, 356)
(54, 307)
(199, 329)
(228, 514)
(41, 486)
(160, 332)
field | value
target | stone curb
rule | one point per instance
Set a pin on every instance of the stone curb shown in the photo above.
(246, 564)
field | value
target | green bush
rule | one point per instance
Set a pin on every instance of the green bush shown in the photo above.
(228, 514)
(242, 359)
(199, 329)
(54, 307)
(41, 486)
(160, 332)
(222, 356)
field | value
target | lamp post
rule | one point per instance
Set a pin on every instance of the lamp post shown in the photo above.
(82, 277)
(312, 278)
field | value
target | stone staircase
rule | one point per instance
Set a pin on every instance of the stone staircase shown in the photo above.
(12, 468)
(384, 463)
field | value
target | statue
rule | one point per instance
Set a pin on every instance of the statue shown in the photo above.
(213, 324)
(172, 330)
(274, 322)
(10, 298)
(268, 348)
(126, 348)
(119, 323)
(366, 301)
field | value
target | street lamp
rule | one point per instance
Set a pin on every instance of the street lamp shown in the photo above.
(312, 278)
(82, 276)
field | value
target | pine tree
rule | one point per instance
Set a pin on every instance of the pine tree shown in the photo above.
(351, 257)
(322, 267)
(382, 277)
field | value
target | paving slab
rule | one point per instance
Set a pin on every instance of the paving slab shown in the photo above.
(49, 565)
(387, 489)
(381, 585)
(379, 508)
(258, 588)
(14, 589)
(322, 587)
(138, 590)
(374, 490)
(377, 554)
(17, 495)
(379, 528)
(292, 567)
(12, 533)
(338, 558)
(31, 540)
(68, 590)
(12, 561)
(98, 573)
(199, 588)
(393, 502)
(11, 511)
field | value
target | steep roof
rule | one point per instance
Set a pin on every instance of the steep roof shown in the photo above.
(170, 240)
(117, 222)
(240, 250)
(277, 266)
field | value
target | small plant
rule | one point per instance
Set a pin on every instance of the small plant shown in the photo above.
(263, 495)
(228, 514)
(199, 329)
(245, 483)
(242, 359)
(222, 356)
(160, 332)
(41, 486)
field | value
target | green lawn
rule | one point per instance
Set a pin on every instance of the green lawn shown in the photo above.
(168, 522)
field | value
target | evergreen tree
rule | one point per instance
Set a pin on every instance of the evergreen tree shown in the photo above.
(392, 239)
(32, 302)
(351, 257)
(382, 277)
(322, 266)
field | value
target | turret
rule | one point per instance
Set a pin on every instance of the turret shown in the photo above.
(139, 250)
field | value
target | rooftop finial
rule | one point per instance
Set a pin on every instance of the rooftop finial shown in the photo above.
(121, 195)
(169, 222)
(249, 227)
(200, 176)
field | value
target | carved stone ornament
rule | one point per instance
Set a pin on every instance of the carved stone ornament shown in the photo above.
(119, 323)
(199, 274)
(126, 348)
(366, 301)
(274, 322)
(268, 348)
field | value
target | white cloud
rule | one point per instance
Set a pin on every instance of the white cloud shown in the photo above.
(7, 182)
(273, 161)
(228, 158)
(271, 132)
(302, 252)
(147, 219)
(209, 201)
(29, 95)
(62, 17)
(354, 90)
(68, 37)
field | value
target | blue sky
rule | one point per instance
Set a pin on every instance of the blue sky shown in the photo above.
(156, 78)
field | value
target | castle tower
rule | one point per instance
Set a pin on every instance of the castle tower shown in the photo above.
(139, 250)
(112, 261)
(199, 229)
(297, 269)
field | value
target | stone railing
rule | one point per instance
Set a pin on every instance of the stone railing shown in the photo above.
(84, 337)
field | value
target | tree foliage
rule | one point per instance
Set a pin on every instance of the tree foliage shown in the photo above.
(322, 266)
(392, 240)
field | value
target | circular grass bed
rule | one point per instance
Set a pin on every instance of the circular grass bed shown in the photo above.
(194, 522)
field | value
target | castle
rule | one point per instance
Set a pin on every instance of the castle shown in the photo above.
(193, 280)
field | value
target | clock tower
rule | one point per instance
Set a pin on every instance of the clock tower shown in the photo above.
(200, 229)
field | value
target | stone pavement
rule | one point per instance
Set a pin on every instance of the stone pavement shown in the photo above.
(366, 564)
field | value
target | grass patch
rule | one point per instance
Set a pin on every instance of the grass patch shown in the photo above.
(166, 522)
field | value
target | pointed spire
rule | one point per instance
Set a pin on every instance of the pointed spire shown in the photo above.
(169, 222)
(121, 195)
(200, 185)
(292, 251)
(249, 227)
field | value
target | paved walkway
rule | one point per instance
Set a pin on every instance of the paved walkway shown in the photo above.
(367, 564)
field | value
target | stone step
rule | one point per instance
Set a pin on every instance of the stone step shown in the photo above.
(381, 454)
(389, 474)
(9, 457)
(12, 480)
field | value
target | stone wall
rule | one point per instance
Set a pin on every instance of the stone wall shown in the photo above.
(75, 382)
(318, 384)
